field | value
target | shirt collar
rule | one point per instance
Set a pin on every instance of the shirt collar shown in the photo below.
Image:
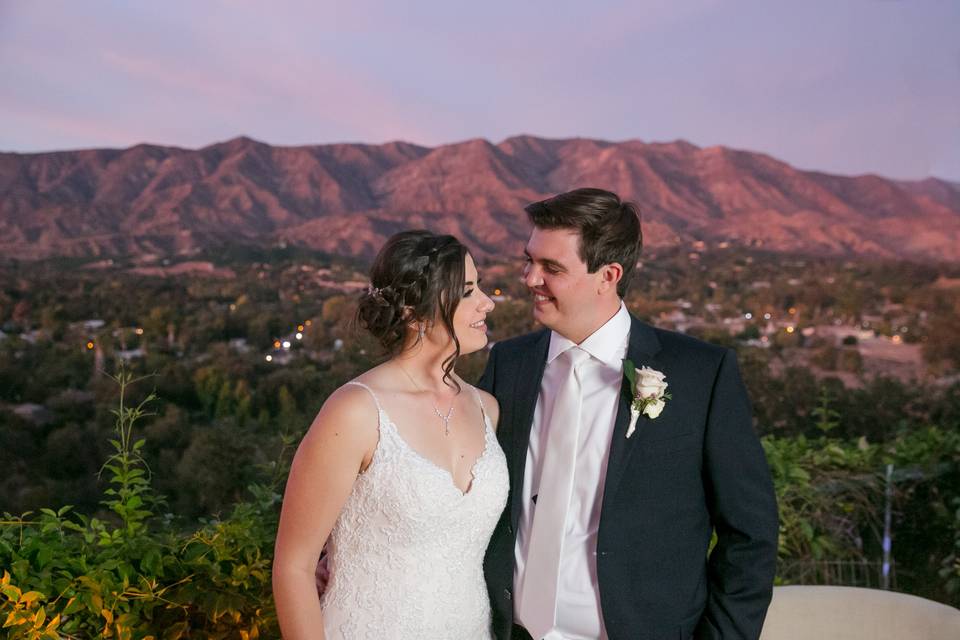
(607, 344)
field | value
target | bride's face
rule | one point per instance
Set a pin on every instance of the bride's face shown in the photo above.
(469, 320)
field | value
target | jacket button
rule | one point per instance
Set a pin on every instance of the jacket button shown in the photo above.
(507, 594)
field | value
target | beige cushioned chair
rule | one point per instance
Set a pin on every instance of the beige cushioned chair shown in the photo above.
(850, 613)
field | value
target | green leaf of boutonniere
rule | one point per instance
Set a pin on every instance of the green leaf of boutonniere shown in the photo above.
(631, 372)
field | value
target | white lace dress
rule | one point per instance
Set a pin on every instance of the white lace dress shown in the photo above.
(406, 554)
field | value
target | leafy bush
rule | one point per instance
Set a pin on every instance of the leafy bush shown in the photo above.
(132, 574)
(135, 571)
(831, 499)
(950, 565)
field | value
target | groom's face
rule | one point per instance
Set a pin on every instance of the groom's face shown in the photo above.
(556, 276)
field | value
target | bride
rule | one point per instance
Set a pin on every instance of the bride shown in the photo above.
(400, 471)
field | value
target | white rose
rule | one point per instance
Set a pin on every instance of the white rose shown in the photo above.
(653, 409)
(650, 384)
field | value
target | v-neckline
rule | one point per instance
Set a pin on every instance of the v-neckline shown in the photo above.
(453, 483)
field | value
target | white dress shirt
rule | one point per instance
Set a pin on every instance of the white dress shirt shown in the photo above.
(578, 597)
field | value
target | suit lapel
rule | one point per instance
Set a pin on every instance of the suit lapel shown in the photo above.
(641, 349)
(529, 376)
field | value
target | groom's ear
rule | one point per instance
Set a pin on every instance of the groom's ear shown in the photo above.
(610, 275)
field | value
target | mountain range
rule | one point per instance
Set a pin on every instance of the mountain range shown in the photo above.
(347, 198)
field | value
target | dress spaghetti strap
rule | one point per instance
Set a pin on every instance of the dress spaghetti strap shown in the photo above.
(483, 409)
(376, 400)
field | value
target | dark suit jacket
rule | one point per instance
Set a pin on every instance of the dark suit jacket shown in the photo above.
(696, 468)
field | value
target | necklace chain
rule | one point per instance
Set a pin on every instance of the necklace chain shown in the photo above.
(444, 418)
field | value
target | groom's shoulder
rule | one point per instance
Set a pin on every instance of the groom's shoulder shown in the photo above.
(519, 345)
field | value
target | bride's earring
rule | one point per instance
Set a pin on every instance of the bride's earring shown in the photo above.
(421, 330)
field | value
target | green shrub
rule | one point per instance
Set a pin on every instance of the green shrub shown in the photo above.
(132, 573)
(830, 494)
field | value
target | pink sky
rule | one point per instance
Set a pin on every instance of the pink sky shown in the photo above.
(849, 88)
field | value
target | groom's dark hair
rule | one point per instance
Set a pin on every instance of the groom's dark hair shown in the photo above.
(609, 228)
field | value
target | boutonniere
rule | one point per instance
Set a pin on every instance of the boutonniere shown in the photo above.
(648, 387)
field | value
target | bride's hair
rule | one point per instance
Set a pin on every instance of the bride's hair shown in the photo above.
(418, 276)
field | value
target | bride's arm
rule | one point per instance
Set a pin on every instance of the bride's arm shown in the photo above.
(337, 447)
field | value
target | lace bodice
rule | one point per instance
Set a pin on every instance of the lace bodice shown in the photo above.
(406, 553)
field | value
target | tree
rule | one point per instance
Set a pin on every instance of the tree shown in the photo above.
(289, 419)
(225, 401)
(850, 360)
(825, 357)
(942, 346)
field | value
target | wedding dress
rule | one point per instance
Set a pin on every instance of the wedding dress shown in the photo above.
(406, 553)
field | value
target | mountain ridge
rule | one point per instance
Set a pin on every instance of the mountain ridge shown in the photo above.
(346, 198)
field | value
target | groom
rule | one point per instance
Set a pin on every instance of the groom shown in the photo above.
(609, 522)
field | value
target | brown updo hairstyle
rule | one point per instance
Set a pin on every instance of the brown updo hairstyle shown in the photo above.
(418, 276)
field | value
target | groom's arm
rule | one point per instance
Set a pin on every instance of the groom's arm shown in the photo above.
(743, 511)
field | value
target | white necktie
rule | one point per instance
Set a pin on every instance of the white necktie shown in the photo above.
(538, 596)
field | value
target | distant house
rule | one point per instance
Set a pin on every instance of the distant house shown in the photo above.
(348, 286)
(839, 332)
(676, 316)
(735, 324)
(35, 413)
(72, 397)
(279, 356)
(31, 336)
(130, 354)
(676, 319)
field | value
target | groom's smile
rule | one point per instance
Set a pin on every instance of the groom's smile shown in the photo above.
(542, 298)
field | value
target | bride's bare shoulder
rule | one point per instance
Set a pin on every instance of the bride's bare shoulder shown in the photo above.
(349, 413)
(352, 399)
(490, 405)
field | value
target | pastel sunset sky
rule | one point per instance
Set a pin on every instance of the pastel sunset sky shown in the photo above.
(845, 87)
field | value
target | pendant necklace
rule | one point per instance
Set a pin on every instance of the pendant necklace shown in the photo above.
(445, 418)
